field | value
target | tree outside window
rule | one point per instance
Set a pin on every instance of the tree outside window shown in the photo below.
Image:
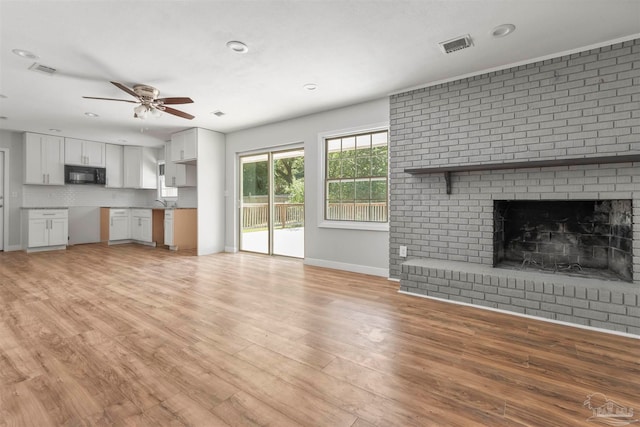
(356, 173)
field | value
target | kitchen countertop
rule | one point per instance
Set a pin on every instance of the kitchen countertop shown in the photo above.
(148, 207)
(45, 207)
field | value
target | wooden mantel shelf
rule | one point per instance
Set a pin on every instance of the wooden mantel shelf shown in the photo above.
(449, 169)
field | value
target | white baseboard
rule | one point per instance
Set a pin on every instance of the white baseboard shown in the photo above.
(355, 268)
(231, 249)
(11, 248)
(528, 316)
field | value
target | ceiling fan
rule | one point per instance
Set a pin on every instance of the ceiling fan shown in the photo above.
(149, 102)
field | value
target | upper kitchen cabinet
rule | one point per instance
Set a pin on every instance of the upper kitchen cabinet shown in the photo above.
(140, 167)
(184, 146)
(176, 174)
(114, 165)
(44, 159)
(86, 153)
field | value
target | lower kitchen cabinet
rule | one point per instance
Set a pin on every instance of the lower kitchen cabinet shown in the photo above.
(176, 228)
(141, 227)
(119, 224)
(46, 229)
(124, 225)
(181, 228)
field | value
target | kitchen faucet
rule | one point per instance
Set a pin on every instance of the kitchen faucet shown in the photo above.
(163, 202)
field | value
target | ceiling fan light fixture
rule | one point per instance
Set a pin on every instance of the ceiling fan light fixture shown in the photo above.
(237, 46)
(155, 112)
(90, 114)
(310, 86)
(140, 111)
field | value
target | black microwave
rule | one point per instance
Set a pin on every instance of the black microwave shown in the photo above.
(84, 175)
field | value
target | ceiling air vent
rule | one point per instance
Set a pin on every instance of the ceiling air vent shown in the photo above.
(42, 69)
(458, 43)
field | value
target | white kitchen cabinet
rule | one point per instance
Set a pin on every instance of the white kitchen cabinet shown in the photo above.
(86, 153)
(140, 167)
(184, 146)
(181, 229)
(168, 227)
(47, 228)
(114, 165)
(177, 174)
(44, 159)
(119, 224)
(141, 225)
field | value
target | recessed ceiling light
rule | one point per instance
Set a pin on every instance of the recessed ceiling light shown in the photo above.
(25, 53)
(310, 86)
(55, 130)
(237, 47)
(3, 117)
(3, 96)
(503, 30)
(218, 113)
(90, 114)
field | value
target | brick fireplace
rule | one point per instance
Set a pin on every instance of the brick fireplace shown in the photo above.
(582, 106)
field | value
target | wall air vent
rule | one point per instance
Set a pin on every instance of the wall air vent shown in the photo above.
(456, 44)
(42, 69)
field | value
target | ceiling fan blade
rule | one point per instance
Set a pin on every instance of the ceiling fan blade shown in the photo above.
(110, 99)
(179, 100)
(126, 89)
(178, 113)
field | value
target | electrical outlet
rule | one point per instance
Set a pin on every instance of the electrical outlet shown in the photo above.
(403, 252)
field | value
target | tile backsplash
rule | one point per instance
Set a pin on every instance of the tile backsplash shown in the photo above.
(85, 195)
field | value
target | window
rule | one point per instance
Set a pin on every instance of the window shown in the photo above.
(163, 191)
(356, 177)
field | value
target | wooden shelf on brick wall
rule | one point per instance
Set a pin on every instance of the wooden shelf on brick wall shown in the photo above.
(449, 169)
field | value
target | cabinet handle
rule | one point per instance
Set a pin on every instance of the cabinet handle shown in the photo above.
(181, 154)
(44, 178)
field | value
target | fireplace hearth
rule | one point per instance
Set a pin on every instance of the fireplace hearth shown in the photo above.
(589, 238)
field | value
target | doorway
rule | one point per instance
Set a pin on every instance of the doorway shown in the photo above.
(272, 203)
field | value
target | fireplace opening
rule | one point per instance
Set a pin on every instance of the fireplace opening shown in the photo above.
(579, 238)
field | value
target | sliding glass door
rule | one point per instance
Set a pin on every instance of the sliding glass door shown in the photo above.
(272, 203)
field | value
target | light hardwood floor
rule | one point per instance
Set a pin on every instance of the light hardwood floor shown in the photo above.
(136, 336)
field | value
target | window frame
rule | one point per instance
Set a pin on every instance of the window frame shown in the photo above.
(161, 185)
(322, 196)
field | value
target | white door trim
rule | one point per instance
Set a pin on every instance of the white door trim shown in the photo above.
(5, 225)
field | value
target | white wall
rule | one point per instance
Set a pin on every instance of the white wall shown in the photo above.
(210, 192)
(13, 142)
(354, 250)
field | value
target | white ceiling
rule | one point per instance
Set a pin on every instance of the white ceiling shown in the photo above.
(353, 50)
